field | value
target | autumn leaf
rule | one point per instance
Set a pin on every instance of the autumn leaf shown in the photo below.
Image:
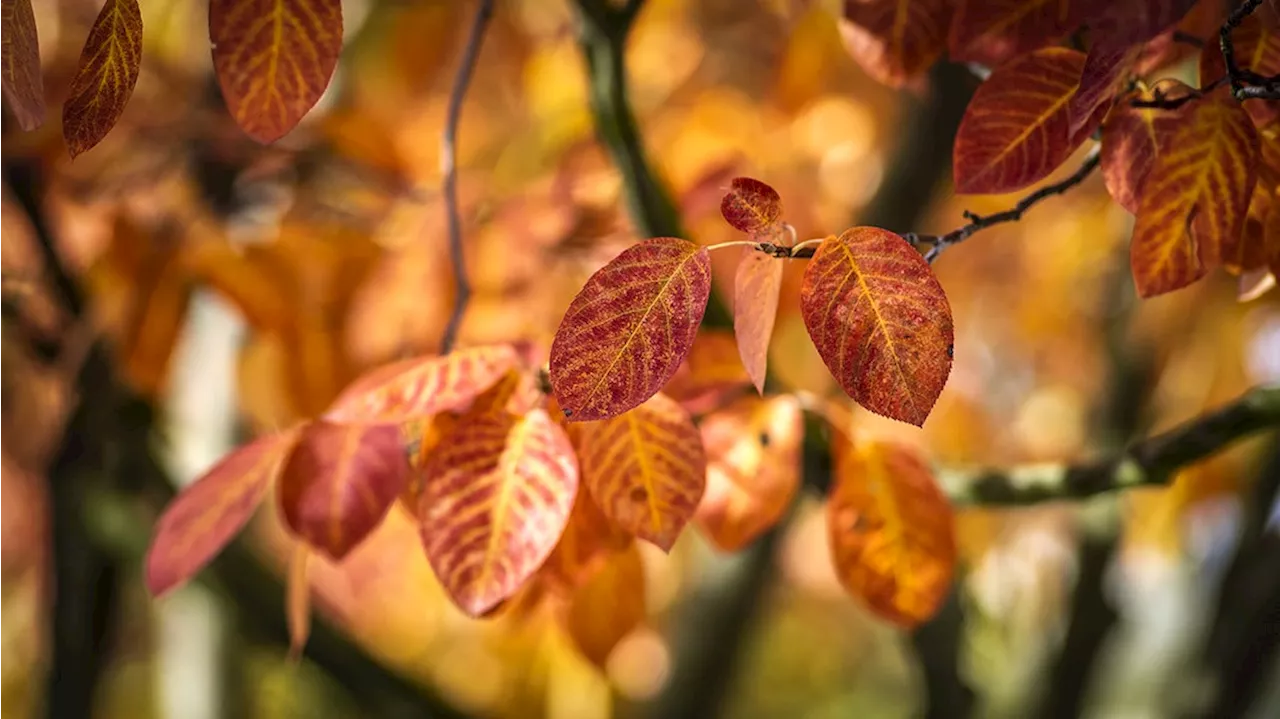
(753, 469)
(200, 521)
(496, 496)
(895, 41)
(105, 76)
(1106, 69)
(588, 539)
(1257, 49)
(750, 205)
(646, 469)
(1129, 23)
(1131, 138)
(1196, 196)
(1017, 128)
(880, 320)
(755, 307)
(298, 600)
(22, 81)
(1248, 250)
(274, 59)
(604, 610)
(993, 31)
(891, 531)
(628, 329)
(339, 482)
(712, 368)
(423, 386)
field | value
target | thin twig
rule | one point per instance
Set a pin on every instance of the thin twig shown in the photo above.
(1245, 84)
(449, 167)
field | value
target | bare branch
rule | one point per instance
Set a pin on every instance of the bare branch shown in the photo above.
(1245, 84)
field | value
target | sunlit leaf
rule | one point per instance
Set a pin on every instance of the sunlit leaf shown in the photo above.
(1017, 128)
(753, 469)
(1130, 139)
(608, 606)
(423, 386)
(20, 63)
(1194, 201)
(339, 482)
(200, 521)
(880, 320)
(755, 307)
(646, 469)
(891, 531)
(751, 205)
(496, 496)
(993, 31)
(105, 76)
(298, 600)
(895, 40)
(627, 331)
(1257, 48)
(274, 59)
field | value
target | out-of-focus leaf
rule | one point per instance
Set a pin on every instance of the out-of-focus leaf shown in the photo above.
(712, 368)
(1257, 49)
(1120, 24)
(20, 63)
(880, 320)
(298, 600)
(627, 331)
(895, 41)
(755, 307)
(105, 76)
(751, 205)
(1131, 138)
(608, 606)
(993, 31)
(587, 540)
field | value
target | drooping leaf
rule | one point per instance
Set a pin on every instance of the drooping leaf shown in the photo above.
(751, 205)
(339, 482)
(611, 604)
(880, 320)
(991, 32)
(496, 496)
(1257, 48)
(105, 76)
(588, 539)
(1106, 69)
(274, 59)
(1017, 128)
(646, 469)
(753, 469)
(1130, 139)
(891, 531)
(416, 388)
(895, 41)
(200, 521)
(1197, 193)
(627, 331)
(20, 72)
(298, 600)
(755, 307)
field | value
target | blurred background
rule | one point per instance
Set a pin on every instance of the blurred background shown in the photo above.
(209, 289)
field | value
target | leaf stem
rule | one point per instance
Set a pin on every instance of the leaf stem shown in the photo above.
(734, 243)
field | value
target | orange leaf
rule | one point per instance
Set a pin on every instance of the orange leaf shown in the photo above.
(105, 76)
(895, 41)
(298, 600)
(274, 59)
(880, 320)
(1130, 139)
(753, 469)
(200, 521)
(605, 609)
(422, 386)
(891, 531)
(645, 469)
(993, 31)
(1017, 128)
(20, 65)
(1194, 202)
(496, 497)
(712, 368)
(627, 331)
(1257, 48)
(339, 482)
(751, 205)
(587, 540)
(755, 307)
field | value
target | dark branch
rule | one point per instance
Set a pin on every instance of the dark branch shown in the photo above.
(449, 163)
(1245, 84)
(1160, 101)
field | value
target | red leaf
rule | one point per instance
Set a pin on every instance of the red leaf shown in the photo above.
(1017, 129)
(751, 205)
(339, 482)
(1257, 48)
(755, 307)
(20, 63)
(200, 521)
(993, 31)
(1130, 140)
(625, 334)
(1105, 71)
(105, 77)
(880, 320)
(895, 40)
(1131, 22)
(274, 59)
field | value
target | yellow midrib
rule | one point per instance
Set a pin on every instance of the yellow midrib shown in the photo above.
(502, 501)
(646, 471)
(884, 328)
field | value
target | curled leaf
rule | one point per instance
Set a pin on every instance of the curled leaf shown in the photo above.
(105, 76)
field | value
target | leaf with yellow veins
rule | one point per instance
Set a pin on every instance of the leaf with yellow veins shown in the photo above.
(105, 76)
(20, 64)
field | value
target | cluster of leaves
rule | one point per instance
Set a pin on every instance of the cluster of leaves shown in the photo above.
(273, 60)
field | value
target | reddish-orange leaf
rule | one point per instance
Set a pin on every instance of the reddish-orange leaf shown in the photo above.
(274, 59)
(751, 205)
(712, 369)
(339, 482)
(891, 531)
(1017, 128)
(587, 540)
(21, 79)
(200, 521)
(1130, 139)
(605, 609)
(629, 328)
(753, 469)
(895, 40)
(1194, 201)
(298, 600)
(105, 76)
(646, 469)
(496, 497)
(755, 307)
(993, 31)
(1105, 71)
(880, 320)
(1257, 48)
(1248, 250)
(415, 388)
